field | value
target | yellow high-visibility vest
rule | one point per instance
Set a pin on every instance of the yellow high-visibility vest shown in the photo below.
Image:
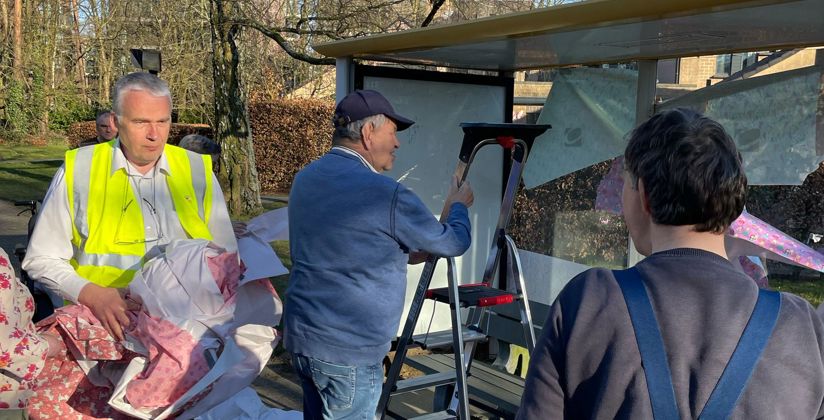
(103, 213)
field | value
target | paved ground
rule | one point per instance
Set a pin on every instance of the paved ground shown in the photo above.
(12, 230)
(278, 386)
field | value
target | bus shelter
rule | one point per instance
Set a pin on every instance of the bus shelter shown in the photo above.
(607, 58)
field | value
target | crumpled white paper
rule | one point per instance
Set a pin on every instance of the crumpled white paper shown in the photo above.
(179, 287)
(254, 249)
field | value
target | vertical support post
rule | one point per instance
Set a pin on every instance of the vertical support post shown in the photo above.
(344, 77)
(644, 108)
(819, 115)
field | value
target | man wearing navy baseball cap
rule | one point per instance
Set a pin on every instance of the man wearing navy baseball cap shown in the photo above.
(352, 232)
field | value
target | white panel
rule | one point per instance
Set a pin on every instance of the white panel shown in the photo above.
(546, 276)
(772, 120)
(591, 111)
(427, 159)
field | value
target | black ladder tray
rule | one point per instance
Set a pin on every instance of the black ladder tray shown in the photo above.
(479, 294)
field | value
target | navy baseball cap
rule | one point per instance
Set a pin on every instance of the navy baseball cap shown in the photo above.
(365, 103)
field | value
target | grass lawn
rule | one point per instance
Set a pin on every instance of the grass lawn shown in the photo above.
(27, 170)
(812, 290)
(280, 282)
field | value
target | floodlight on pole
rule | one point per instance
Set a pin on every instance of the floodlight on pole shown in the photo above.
(147, 59)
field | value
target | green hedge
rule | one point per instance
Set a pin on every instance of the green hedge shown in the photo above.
(288, 134)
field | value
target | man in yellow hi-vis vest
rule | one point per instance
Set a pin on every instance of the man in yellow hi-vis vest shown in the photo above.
(114, 205)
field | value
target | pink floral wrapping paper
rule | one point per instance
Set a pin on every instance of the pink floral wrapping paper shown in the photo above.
(754, 271)
(177, 360)
(22, 351)
(610, 188)
(83, 334)
(64, 391)
(177, 363)
(778, 244)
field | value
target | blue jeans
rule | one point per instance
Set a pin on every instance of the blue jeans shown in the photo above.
(334, 391)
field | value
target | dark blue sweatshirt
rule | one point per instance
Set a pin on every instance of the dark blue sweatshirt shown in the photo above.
(350, 234)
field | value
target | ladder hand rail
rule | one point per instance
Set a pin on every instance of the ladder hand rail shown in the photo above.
(514, 261)
(476, 136)
(461, 170)
(519, 156)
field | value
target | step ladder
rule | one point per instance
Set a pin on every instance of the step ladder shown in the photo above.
(517, 139)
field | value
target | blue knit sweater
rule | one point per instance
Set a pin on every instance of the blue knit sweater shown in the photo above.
(350, 232)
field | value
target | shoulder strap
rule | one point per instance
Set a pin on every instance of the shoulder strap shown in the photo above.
(737, 374)
(650, 344)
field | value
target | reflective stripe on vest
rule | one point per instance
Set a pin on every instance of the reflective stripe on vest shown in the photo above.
(108, 239)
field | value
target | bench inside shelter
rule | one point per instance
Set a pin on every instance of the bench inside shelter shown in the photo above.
(491, 388)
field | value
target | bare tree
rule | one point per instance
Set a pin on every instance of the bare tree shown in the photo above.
(80, 62)
(237, 170)
(17, 40)
(4, 38)
(4, 20)
(304, 22)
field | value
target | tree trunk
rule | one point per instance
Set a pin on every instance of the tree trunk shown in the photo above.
(4, 40)
(237, 173)
(17, 40)
(80, 62)
(98, 16)
(4, 15)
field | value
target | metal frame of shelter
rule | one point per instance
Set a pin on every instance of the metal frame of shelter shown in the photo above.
(592, 32)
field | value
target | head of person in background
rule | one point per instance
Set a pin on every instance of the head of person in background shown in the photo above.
(104, 125)
(203, 145)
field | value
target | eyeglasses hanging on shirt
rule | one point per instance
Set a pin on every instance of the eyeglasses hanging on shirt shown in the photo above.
(152, 229)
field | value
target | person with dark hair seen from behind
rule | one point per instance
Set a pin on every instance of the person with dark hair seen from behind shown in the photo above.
(202, 145)
(683, 333)
(105, 127)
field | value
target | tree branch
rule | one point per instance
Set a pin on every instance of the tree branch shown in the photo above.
(336, 22)
(284, 44)
(266, 30)
(354, 13)
(436, 5)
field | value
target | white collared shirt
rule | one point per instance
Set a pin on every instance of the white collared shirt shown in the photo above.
(50, 248)
(357, 155)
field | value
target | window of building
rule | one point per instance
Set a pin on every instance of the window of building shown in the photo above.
(668, 70)
(727, 64)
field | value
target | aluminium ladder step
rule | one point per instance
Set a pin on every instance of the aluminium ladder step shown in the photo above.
(443, 339)
(493, 390)
(424, 381)
(439, 415)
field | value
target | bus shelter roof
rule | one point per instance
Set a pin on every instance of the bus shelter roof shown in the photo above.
(597, 31)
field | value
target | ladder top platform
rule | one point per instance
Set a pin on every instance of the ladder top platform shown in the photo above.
(475, 133)
(521, 131)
